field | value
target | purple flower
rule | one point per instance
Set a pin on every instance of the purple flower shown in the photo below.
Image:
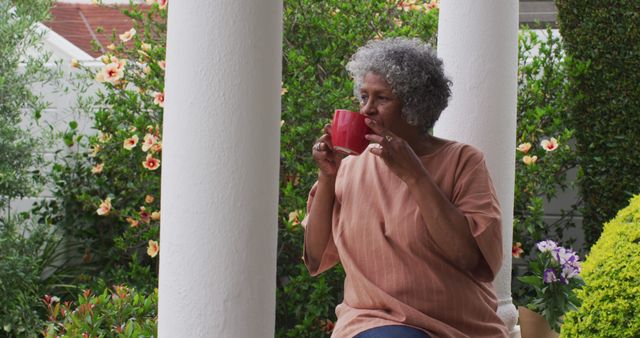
(547, 245)
(569, 263)
(549, 276)
(564, 256)
(569, 272)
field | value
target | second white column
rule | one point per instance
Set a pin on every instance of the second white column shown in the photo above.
(220, 169)
(478, 42)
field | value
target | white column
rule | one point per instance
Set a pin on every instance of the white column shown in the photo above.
(478, 42)
(220, 169)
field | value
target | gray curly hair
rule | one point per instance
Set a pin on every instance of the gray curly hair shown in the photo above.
(413, 71)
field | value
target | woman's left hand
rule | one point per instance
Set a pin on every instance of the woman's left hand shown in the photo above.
(396, 153)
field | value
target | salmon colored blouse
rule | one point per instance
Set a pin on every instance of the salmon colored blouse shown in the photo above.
(395, 273)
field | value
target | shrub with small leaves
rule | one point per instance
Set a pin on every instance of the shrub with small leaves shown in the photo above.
(117, 312)
(611, 297)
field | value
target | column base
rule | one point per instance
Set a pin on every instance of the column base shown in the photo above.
(509, 315)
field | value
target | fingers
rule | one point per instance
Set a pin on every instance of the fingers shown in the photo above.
(377, 128)
(327, 160)
(323, 149)
(324, 156)
(327, 128)
(376, 151)
(386, 139)
(375, 138)
(324, 143)
(382, 140)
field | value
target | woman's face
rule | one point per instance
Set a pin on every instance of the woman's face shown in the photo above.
(379, 103)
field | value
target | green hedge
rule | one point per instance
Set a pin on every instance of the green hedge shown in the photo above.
(611, 297)
(603, 39)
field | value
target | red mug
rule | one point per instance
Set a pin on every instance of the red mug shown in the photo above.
(347, 132)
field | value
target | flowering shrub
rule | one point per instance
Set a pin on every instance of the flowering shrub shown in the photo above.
(555, 277)
(120, 312)
(108, 191)
(543, 153)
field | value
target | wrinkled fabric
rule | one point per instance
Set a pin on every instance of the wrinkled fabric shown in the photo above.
(395, 273)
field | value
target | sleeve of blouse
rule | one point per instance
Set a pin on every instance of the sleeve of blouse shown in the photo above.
(330, 255)
(475, 196)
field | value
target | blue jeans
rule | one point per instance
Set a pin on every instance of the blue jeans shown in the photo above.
(392, 331)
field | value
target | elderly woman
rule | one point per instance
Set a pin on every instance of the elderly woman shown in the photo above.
(414, 220)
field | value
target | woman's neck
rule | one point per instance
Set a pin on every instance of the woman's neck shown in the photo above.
(425, 145)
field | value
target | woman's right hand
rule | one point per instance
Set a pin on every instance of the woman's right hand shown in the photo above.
(327, 160)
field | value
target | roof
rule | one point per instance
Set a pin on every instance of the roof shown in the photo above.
(81, 23)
